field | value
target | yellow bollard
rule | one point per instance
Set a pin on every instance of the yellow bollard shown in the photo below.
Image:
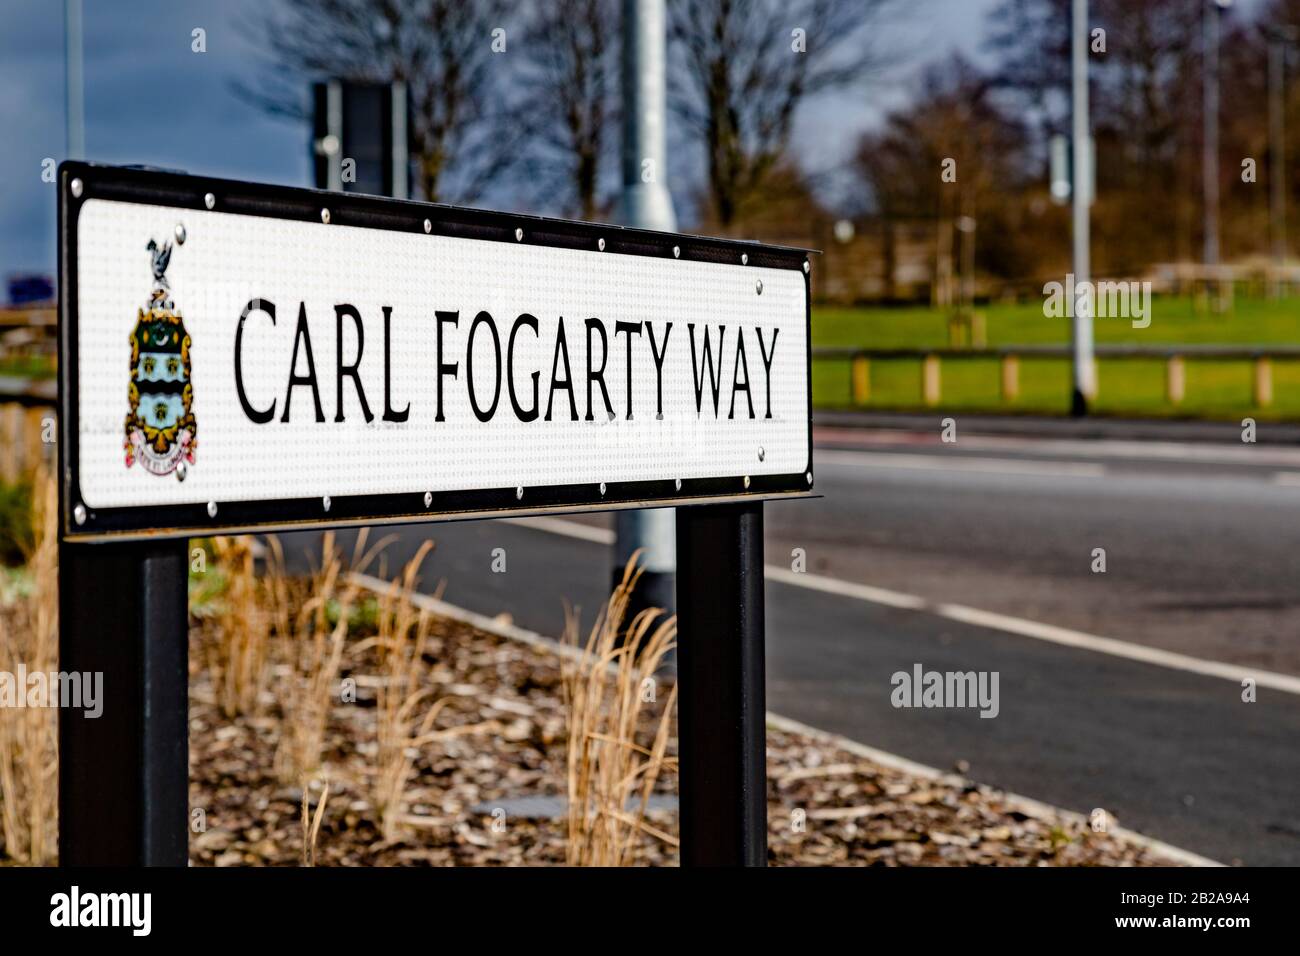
(1263, 380)
(930, 385)
(1010, 378)
(1175, 380)
(861, 380)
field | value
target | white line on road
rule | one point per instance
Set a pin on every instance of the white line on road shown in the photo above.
(972, 616)
(1115, 648)
(1287, 478)
(1202, 452)
(848, 589)
(995, 466)
(511, 631)
(571, 529)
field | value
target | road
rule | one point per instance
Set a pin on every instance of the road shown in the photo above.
(955, 557)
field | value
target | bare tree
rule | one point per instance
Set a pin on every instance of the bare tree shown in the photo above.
(741, 70)
(1030, 40)
(568, 75)
(953, 124)
(462, 134)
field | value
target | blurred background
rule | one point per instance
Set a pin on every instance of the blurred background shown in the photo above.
(1102, 511)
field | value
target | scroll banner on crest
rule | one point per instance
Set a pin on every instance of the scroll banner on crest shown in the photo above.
(244, 356)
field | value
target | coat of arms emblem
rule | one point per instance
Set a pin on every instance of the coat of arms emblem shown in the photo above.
(160, 426)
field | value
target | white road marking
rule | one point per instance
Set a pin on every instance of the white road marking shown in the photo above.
(848, 589)
(1287, 478)
(1209, 452)
(1026, 805)
(997, 466)
(990, 620)
(571, 529)
(1115, 648)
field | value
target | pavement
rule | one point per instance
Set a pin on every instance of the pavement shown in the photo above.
(1119, 689)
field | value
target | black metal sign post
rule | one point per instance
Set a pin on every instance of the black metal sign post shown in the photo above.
(721, 725)
(124, 774)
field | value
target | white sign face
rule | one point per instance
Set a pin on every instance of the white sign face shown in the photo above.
(226, 359)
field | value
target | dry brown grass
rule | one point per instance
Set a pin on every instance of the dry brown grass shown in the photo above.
(312, 653)
(29, 635)
(249, 612)
(404, 715)
(311, 824)
(612, 766)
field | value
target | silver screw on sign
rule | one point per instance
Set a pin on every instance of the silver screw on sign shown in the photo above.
(76, 186)
(79, 514)
(209, 200)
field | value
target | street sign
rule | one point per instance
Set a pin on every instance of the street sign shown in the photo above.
(240, 356)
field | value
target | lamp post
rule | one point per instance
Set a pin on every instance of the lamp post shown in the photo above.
(1210, 160)
(1279, 38)
(1085, 369)
(646, 203)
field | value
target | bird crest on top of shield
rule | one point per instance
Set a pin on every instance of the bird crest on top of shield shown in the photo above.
(160, 427)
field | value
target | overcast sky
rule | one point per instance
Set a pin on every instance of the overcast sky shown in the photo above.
(150, 100)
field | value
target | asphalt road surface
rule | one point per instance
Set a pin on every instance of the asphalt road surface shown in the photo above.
(1118, 689)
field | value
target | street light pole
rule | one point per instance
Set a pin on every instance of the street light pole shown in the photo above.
(646, 203)
(1277, 42)
(74, 88)
(1210, 159)
(1085, 377)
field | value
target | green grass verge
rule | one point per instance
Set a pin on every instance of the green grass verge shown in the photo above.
(27, 367)
(1214, 388)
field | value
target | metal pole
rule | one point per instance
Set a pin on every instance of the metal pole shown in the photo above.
(721, 711)
(124, 775)
(645, 203)
(73, 83)
(1210, 160)
(1277, 162)
(1085, 380)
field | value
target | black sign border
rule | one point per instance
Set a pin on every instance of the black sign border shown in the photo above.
(181, 191)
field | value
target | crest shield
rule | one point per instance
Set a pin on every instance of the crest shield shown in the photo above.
(160, 427)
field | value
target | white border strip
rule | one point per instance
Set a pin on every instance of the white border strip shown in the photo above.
(1026, 805)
